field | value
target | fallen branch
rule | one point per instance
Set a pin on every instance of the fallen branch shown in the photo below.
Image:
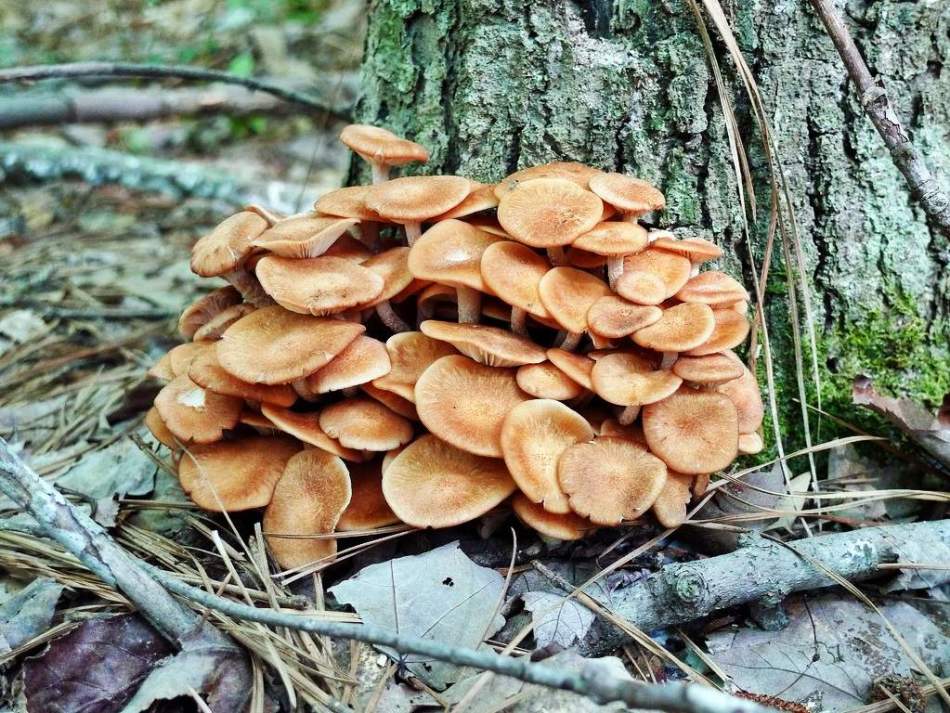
(87, 541)
(158, 71)
(933, 199)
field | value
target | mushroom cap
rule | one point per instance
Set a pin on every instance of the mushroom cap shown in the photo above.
(488, 223)
(162, 369)
(671, 268)
(410, 353)
(708, 369)
(349, 248)
(235, 475)
(534, 435)
(303, 236)
(487, 345)
(577, 173)
(414, 199)
(547, 212)
(696, 250)
(434, 484)
(480, 199)
(363, 360)
(305, 426)
(567, 526)
(609, 480)
(212, 330)
(693, 431)
(681, 328)
(739, 307)
(365, 424)
(609, 428)
(465, 403)
(513, 272)
(378, 145)
(368, 508)
(207, 373)
(199, 312)
(195, 414)
(156, 426)
(700, 485)
(627, 194)
(746, 397)
(347, 202)
(576, 366)
(224, 249)
(546, 381)
(712, 288)
(641, 287)
(568, 294)
(613, 238)
(670, 505)
(309, 499)
(257, 421)
(585, 260)
(730, 330)
(750, 443)
(392, 267)
(394, 402)
(625, 379)
(613, 317)
(319, 286)
(181, 356)
(274, 346)
(270, 216)
(450, 253)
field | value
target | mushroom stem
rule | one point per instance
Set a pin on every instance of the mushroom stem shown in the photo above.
(245, 282)
(600, 342)
(669, 359)
(303, 390)
(470, 305)
(628, 415)
(570, 341)
(519, 321)
(389, 317)
(556, 256)
(425, 311)
(614, 269)
(368, 234)
(380, 172)
(413, 232)
(694, 270)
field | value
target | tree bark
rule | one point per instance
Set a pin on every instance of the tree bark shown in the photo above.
(490, 87)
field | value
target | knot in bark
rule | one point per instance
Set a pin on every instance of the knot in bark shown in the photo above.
(689, 585)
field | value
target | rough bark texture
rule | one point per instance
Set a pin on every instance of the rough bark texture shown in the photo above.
(492, 86)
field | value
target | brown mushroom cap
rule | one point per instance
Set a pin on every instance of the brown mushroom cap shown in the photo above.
(363, 360)
(670, 505)
(730, 330)
(567, 526)
(487, 345)
(712, 288)
(379, 145)
(585, 260)
(434, 484)
(348, 202)
(368, 508)
(682, 327)
(305, 426)
(450, 253)
(609, 428)
(480, 199)
(194, 414)
(671, 268)
(212, 330)
(410, 353)
(546, 381)
(203, 309)
(274, 346)
(625, 379)
(465, 403)
(224, 249)
(392, 266)
(568, 294)
(513, 271)
(181, 356)
(534, 435)
(577, 173)
(696, 250)
(258, 421)
(394, 402)
(156, 426)
(309, 499)
(610, 479)
(365, 424)
(709, 369)
(162, 369)
(303, 236)
(629, 195)
(613, 238)
(319, 286)
(415, 199)
(614, 317)
(206, 372)
(641, 287)
(576, 366)
(693, 431)
(548, 212)
(745, 395)
(235, 475)
(750, 443)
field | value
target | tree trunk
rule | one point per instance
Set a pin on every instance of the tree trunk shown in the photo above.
(490, 87)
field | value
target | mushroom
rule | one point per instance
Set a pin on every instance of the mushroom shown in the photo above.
(311, 495)
(392, 266)
(613, 317)
(228, 476)
(274, 346)
(205, 308)
(745, 396)
(162, 369)
(303, 236)
(670, 505)
(546, 381)
(450, 253)
(305, 426)
(365, 424)
(195, 414)
(568, 294)
(319, 286)
(614, 240)
(680, 328)
(576, 366)
(708, 369)
(413, 200)
(481, 199)
(693, 431)
(492, 346)
(156, 426)
(394, 402)
(712, 288)
(223, 251)
(534, 435)
(361, 361)
(207, 373)
(434, 484)
(625, 379)
(181, 356)
(465, 403)
(641, 287)
(750, 443)
(212, 330)
(576, 173)
(672, 269)
(632, 197)
(410, 354)
(513, 272)
(368, 509)
(381, 148)
(566, 526)
(696, 250)
(730, 330)
(609, 480)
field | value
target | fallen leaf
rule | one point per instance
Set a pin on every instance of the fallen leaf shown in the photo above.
(440, 595)
(557, 619)
(28, 613)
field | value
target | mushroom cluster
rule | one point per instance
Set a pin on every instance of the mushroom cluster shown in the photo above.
(422, 349)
